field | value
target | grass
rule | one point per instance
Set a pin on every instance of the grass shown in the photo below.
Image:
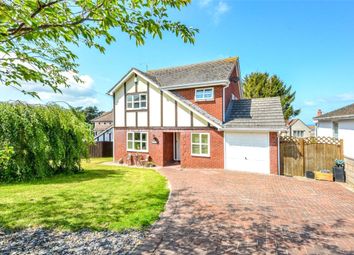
(101, 198)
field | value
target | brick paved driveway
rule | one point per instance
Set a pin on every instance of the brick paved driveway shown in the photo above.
(221, 212)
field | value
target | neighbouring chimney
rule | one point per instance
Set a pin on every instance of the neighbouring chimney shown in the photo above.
(319, 112)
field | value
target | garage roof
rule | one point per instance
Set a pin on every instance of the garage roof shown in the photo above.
(257, 113)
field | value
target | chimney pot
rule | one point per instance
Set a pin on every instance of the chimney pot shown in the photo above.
(319, 112)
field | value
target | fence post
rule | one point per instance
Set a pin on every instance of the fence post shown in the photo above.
(302, 145)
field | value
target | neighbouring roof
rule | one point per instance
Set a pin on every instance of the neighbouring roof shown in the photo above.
(103, 131)
(292, 122)
(257, 113)
(341, 113)
(217, 70)
(104, 117)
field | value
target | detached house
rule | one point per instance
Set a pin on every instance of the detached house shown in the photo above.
(103, 127)
(195, 114)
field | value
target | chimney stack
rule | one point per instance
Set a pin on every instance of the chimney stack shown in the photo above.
(319, 112)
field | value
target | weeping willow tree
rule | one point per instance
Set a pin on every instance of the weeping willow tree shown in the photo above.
(39, 141)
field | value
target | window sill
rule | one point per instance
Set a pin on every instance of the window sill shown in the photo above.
(137, 110)
(200, 156)
(204, 100)
(145, 151)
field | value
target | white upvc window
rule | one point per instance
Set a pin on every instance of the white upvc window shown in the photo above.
(200, 143)
(335, 129)
(204, 94)
(137, 141)
(137, 101)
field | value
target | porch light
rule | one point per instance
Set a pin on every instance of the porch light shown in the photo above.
(155, 140)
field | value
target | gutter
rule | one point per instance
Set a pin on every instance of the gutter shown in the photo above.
(253, 129)
(335, 117)
(223, 101)
(279, 152)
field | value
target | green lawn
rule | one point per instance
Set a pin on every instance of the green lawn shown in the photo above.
(102, 197)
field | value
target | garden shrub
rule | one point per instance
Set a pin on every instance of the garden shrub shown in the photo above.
(41, 140)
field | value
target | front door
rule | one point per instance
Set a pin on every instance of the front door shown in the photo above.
(176, 147)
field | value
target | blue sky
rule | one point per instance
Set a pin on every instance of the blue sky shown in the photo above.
(308, 44)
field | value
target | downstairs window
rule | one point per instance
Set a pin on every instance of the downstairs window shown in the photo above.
(137, 141)
(200, 144)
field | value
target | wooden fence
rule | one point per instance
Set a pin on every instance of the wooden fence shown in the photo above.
(101, 149)
(349, 170)
(298, 155)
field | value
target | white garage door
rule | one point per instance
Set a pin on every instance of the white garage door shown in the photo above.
(247, 152)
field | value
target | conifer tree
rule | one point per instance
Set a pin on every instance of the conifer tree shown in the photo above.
(259, 85)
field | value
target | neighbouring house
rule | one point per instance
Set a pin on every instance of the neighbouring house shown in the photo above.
(196, 115)
(339, 124)
(103, 127)
(298, 128)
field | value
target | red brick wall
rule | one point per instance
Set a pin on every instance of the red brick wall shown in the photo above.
(212, 107)
(233, 88)
(155, 150)
(162, 153)
(216, 159)
(273, 144)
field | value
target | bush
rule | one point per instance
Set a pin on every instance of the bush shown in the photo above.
(38, 141)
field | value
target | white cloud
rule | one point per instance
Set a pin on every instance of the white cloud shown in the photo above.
(220, 9)
(204, 3)
(77, 94)
(309, 103)
(215, 8)
(346, 96)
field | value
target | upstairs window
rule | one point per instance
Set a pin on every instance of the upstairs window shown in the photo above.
(204, 94)
(137, 101)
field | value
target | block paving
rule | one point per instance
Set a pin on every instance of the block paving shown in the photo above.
(222, 212)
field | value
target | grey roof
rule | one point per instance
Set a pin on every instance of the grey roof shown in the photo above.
(259, 113)
(197, 108)
(104, 117)
(218, 70)
(343, 112)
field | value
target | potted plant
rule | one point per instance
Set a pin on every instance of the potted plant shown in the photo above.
(338, 171)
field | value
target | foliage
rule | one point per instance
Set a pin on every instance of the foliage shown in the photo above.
(6, 153)
(39, 141)
(101, 197)
(259, 85)
(90, 112)
(339, 163)
(35, 35)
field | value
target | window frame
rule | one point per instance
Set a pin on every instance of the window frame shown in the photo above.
(139, 101)
(141, 141)
(200, 145)
(335, 129)
(204, 99)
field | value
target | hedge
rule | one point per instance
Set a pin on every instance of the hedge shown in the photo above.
(41, 140)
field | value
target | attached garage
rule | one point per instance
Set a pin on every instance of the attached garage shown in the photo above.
(248, 152)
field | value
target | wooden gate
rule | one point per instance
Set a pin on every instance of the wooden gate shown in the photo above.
(298, 155)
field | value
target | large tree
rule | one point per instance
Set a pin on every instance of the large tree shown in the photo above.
(258, 85)
(36, 35)
(90, 112)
